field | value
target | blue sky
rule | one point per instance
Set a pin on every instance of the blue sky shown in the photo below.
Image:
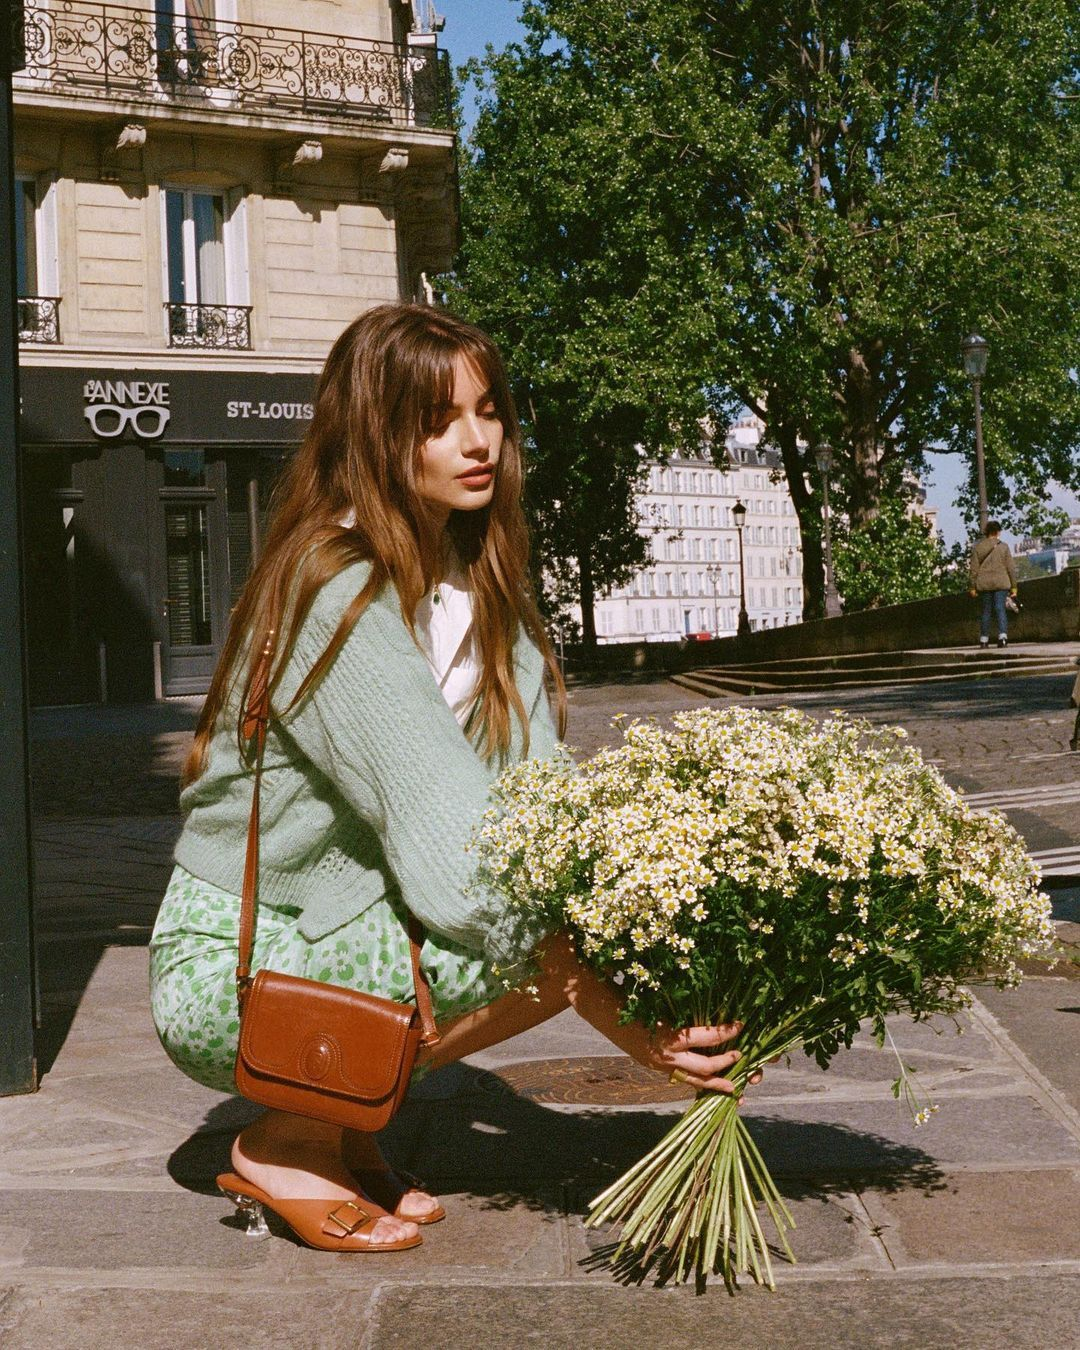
(472, 24)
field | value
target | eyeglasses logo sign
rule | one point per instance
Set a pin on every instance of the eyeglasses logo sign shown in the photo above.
(112, 406)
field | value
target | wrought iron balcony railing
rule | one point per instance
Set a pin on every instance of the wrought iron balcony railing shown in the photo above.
(39, 318)
(156, 56)
(217, 326)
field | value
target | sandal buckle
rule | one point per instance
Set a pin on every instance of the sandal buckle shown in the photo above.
(348, 1226)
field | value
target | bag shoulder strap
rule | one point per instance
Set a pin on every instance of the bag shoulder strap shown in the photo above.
(255, 721)
(987, 556)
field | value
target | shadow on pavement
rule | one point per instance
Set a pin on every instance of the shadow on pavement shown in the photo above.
(105, 811)
(491, 1143)
(109, 760)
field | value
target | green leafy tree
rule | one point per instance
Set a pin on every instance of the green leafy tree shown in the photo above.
(799, 207)
(892, 558)
(569, 271)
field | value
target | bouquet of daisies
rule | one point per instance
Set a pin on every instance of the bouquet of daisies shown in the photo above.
(801, 877)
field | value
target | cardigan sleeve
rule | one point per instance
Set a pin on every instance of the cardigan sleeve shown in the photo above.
(379, 729)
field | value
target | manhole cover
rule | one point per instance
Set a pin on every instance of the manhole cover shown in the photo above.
(595, 1080)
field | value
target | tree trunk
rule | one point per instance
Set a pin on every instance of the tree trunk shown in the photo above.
(808, 509)
(864, 436)
(588, 596)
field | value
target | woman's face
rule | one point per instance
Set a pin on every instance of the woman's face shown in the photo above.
(458, 461)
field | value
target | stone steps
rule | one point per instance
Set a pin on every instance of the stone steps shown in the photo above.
(871, 669)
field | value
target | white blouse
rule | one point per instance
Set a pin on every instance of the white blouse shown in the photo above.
(444, 629)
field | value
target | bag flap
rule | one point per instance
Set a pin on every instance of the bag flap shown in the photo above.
(332, 1039)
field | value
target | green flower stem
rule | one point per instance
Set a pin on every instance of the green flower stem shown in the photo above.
(696, 1194)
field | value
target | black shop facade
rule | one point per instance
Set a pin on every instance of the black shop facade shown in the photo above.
(144, 499)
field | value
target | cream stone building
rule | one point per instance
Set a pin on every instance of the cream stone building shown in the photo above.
(208, 192)
(692, 584)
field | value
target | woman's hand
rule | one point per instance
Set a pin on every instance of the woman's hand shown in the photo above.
(680, 1051)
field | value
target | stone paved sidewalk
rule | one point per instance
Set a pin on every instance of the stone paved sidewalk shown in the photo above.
(962, 1234)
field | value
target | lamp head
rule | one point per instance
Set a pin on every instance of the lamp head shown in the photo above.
(824, 456)
(738, 512)
(974, 350)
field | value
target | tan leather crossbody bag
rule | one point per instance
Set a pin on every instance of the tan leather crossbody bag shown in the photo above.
(317, 1049)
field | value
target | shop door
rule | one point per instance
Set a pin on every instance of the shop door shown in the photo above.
(190, 566)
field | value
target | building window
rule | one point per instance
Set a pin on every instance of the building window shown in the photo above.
(714, 549)
(693, 482)
(639, 621)
(26, 237)
(35, 262)
(187, 563)
(656, 619)
(676, 482)
(695, 549)
(184, 468)
(205, 272)
(195, 247)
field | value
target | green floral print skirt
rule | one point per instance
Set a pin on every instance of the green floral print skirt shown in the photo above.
(193, 965)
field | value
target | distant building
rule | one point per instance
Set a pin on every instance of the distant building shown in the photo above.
(918, 506)
(1054, 555)
(691, 584)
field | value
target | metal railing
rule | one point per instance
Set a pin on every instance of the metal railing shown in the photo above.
(149, 56)
(38, 318)
(216, 326)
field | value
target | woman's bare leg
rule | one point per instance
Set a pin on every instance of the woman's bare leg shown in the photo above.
(508, 1016)
(561, 982)
(565, 981)
(293, 1158)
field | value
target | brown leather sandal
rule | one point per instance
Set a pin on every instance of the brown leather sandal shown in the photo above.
(328, 1225)
(384, 1186)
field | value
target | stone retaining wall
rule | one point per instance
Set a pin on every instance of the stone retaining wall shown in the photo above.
(1050, 613)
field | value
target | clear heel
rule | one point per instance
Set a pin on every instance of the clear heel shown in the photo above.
(251, 1211)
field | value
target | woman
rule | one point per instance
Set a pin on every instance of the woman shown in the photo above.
(409, 667)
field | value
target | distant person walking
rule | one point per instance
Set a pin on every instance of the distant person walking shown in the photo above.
(993, 577)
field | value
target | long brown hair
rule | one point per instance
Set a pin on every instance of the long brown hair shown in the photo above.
(387, 383)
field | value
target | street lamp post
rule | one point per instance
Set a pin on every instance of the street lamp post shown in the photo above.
(974, 350)
(824, 457)
(738, 512)
(714, 572)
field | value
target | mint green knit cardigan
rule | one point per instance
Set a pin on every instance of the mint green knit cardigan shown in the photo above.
(369, 785)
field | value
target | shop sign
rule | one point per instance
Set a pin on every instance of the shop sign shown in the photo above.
(79, 406)
(113, 406)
